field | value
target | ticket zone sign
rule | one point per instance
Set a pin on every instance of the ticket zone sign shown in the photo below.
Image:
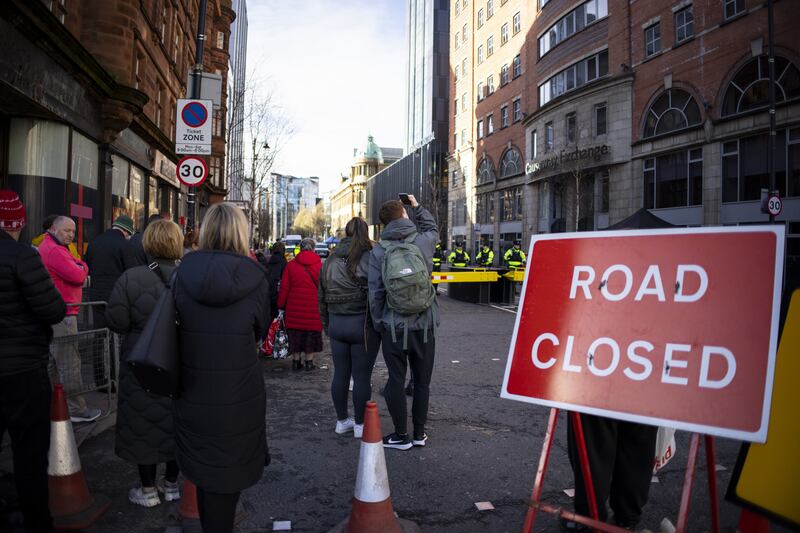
(673, 327)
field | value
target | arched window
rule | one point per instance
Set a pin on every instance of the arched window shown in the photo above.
(511, 164)
(485, 171)
(673, 110)
(749, 88)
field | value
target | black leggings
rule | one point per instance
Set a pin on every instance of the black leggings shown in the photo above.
(147, 473)
(354, 346)
(217, 511)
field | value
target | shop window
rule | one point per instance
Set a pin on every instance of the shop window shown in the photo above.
(85, 159)
(138, 194)
(604, 192)
(38, 148)
(485, 171)
(120, 188)
(511, 163)
(674, 179)
(673, 110)
(749, 88)
(744, 166)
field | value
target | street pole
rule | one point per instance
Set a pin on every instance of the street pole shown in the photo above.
(771, 148)
(197, 77)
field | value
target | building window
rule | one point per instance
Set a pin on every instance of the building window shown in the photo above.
(455, 178)
(455, 141)
(504, 75)
(534, 144)
(548, 137)
(674, 179)
(744, 166)
(749, 88)
(463, 137)
(517, 66)
(733, 8)
(216, 123)
(542, 3)
(456, 40)
(489, 8)
(652, 39)
(464, 67)
(455, 107)
(159, 90)
(572, 23)
(517, 109)
(490, 46)
(511, 204)
(570, 127)
(504, 120)
(504, 34)
(574, 76)
(163, 29)
(455, 74)
(220, 40)
(490, 83)
(458, 7)
(516, 23)
(489, 124)
(485, 171)
(600, 119)
(464, 34)
(463, 101)
(480, 54)
(684, 24)
(464, 3)
(480, 129)
(511, 164)
(673, 110)
(480, 18)
(176, 44)
(480, 91)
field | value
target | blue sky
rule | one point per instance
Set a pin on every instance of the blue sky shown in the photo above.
(337, 68)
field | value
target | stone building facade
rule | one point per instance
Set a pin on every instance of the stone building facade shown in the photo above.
(88, 92)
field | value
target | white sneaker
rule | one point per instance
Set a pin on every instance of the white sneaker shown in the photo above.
(171, 491)
(145, 498)
(343, 426)
(358, 430)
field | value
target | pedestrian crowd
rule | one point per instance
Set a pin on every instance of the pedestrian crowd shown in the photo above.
(366, 297)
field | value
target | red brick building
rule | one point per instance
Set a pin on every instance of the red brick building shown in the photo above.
(88, 92)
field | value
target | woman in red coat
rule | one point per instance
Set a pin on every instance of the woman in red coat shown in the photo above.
(298, 299)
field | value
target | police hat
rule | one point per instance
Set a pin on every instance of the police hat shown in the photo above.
(517, 242)
(459, 244)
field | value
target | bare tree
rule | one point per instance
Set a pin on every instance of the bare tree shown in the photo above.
(580, 179)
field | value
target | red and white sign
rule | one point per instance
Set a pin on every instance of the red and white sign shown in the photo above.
(774, 205)
(192, 171)
(674, 327)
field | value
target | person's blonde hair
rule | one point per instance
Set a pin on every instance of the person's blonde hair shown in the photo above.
(163, 239)
(224, 228)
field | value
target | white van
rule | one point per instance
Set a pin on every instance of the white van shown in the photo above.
(290, 241)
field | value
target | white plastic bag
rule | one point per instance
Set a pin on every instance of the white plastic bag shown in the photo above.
(665, 448)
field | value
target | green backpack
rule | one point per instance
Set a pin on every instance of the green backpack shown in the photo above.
(409, 290)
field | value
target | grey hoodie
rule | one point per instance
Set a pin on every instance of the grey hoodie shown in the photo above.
(427, 237)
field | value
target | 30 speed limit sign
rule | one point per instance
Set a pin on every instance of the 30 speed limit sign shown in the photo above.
(192, 171)
(774, 205)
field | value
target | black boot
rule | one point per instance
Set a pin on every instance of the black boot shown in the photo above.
(310, 365)
(297, 364)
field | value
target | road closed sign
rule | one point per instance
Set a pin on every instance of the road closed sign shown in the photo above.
(193, 127)
(674, 327)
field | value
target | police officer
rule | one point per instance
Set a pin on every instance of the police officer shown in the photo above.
(296, 250)
(458, 257)
(514, 257)
(438, 255)
(485, 256)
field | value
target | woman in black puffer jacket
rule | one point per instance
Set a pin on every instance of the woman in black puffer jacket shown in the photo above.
(222, 299)
(145, 434)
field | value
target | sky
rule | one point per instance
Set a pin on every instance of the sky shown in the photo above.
(336, 69)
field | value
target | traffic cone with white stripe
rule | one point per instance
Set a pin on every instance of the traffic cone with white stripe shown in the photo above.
(71, 504)
(372, 510)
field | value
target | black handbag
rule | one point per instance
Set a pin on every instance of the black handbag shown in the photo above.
(155, 358)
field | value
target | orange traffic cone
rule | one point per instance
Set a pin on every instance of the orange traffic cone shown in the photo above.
(188, 508)
(71, 504)
(750, 522)
(372, 504)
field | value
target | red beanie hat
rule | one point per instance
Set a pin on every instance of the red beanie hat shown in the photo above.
(12, 212)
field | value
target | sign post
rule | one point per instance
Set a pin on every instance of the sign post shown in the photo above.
(673, 327)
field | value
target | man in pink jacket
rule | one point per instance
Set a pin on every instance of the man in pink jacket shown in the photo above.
(69, 275)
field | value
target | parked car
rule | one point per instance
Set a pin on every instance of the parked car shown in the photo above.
(322, 250)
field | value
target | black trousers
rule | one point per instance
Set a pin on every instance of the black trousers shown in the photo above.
(147, 473)
(217, 511)
(420, 356)
(621, 461)
(25, 414)
(354, 348)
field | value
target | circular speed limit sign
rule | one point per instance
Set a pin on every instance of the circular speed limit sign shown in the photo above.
(774, 205)
(192, 170)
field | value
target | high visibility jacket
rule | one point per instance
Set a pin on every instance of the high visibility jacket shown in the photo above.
(296, 250)
(458, 258)
(438, 254)
(514, 257)
(485, 258)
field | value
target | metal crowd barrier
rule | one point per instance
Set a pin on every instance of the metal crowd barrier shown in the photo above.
(89, 359)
